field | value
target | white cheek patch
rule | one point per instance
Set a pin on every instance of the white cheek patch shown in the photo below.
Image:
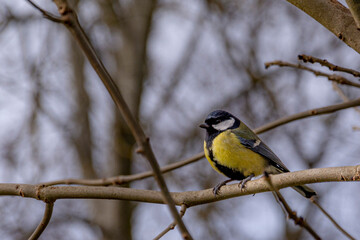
(224, 124)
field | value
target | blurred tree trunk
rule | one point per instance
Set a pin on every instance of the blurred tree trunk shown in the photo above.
(130, 54)
(81, 130)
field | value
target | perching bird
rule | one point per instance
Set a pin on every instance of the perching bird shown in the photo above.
(237, 152)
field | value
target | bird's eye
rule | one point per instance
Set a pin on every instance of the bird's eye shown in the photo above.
(217, 121)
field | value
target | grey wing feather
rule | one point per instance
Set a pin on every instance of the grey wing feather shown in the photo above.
(256, 145)
(250, 140)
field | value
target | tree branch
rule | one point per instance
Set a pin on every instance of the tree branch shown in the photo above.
(129, 178)
(46, 14)
(326, 63)
(291, 214)
(342, 95)
(44, 222)
(70, 20)
(172, 225)
(354, 6)
(308, 113)
(332, 77)
(190, 198)
(333, 16)
(123, 179)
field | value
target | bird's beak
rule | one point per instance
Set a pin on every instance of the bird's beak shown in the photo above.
(204, 125)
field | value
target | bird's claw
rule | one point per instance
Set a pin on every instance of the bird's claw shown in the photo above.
(244, 181)
(216, 189)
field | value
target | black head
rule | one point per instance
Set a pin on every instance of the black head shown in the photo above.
(219, 120)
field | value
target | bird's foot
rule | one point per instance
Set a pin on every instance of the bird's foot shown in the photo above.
(216, 189)
(244, 181)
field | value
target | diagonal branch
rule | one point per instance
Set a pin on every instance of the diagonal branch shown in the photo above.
(122, 179)
(326, 63)
(316, 203)
(129, 178)
(333, 16)
(172, 225)
(44, 222)
(332, 77)
(46, 14)
(354, 6)
(70, 20)
(343, 96)
(308, 113)
(291, 214)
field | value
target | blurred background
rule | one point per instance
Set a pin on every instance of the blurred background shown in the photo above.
(174, 61)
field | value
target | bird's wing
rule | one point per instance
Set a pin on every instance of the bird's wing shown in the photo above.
(251, 141)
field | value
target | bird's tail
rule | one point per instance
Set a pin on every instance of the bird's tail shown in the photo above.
(305, 191)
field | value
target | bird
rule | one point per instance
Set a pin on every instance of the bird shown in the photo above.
(235, 151)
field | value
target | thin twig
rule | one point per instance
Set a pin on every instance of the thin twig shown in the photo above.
(278, 201)
(316, 203)
(44, 222)
(340, 92)
(70, 20)
(325, 63)
(172, 225)
(291, 214)
(342, 95)
(122, 179)
(262, 129)
(308, 113)
(332, 77)
(46, 14)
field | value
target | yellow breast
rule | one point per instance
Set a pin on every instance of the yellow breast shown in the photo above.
(229, 152)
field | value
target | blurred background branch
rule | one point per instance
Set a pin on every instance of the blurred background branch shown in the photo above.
(123, 179)
(58, 121)
(291, 213)
(70, 20)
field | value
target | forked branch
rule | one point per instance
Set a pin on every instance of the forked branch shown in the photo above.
(68, 17)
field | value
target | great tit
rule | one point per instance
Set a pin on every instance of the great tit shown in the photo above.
(236, 151)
